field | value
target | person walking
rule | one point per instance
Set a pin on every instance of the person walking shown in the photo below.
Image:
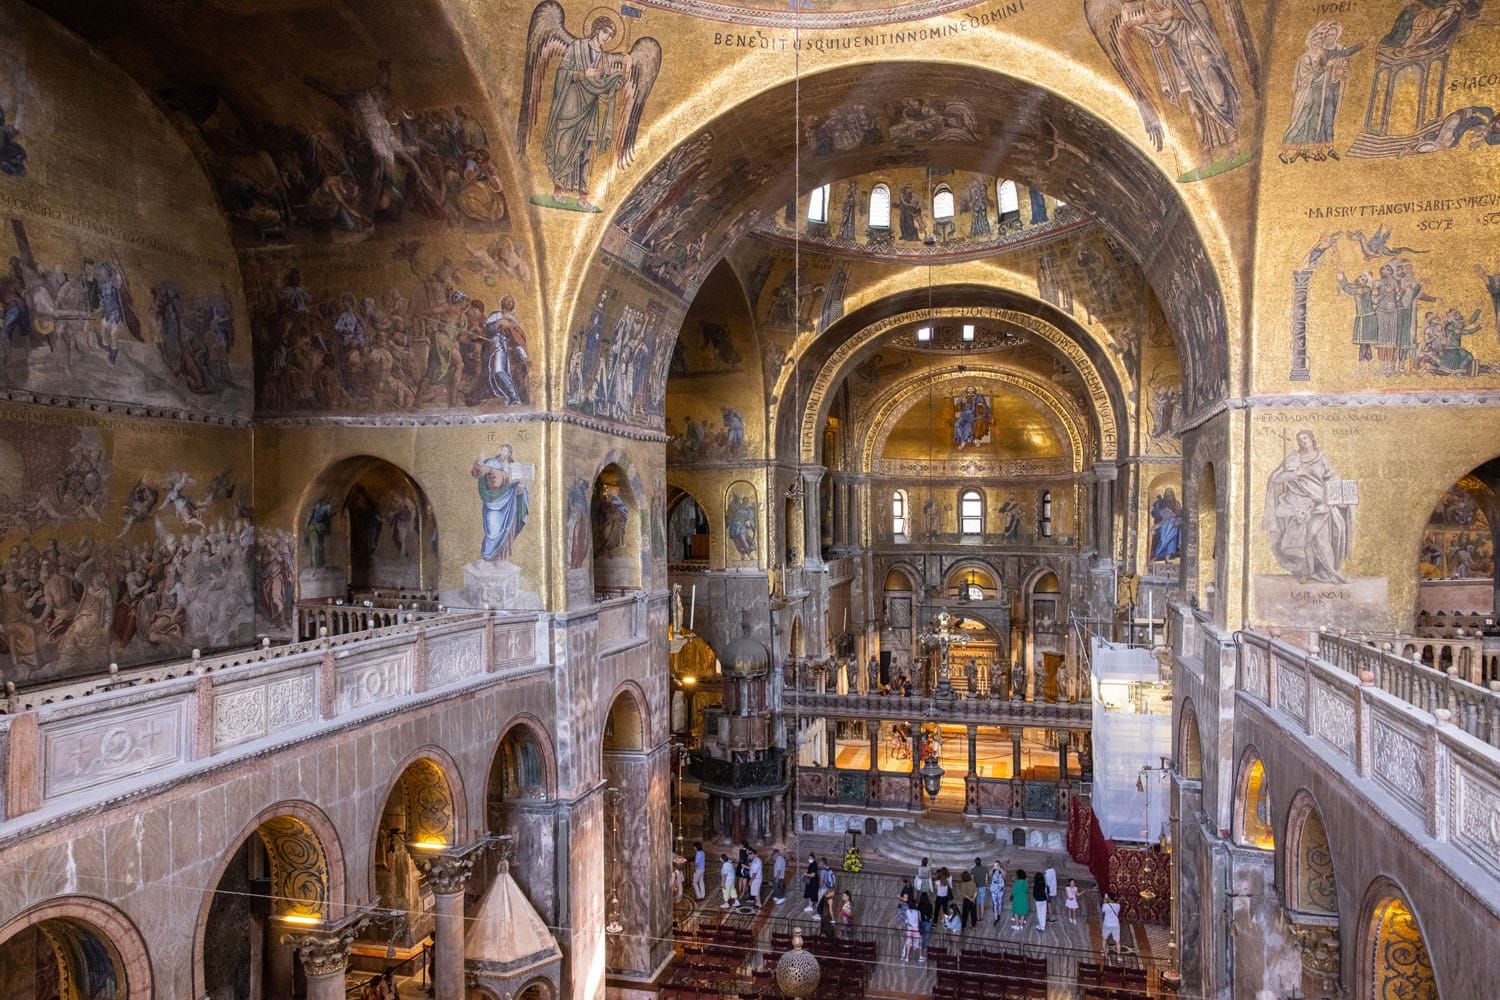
(810, 884)
(924, 877)
(1109, 919)
(846, 915)
(997, 891)
(1070, 900)
(982, 889)
(757, 873)
(742, 872)
(726, 880)
(700, 860)
(778, 876)
(924, 922)
(1051, 874)
(1039, 898)
(967, 891)
(826, 916)
(826, 879)
(1020, 901)
(676, 882)
(912, 939)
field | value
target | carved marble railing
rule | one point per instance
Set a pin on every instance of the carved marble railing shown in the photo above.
(622, 622)
(64, 756)
(319, 618)
(1473, 708)
(1445, 778)
(980, 711)
(1011, 798)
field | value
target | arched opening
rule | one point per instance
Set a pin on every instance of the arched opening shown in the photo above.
(628, 833)
(1456, 562)
(1038, 664)
(1394, 961)
(971, 582)
(688, 530)
(1208, 538)
(420, 814)
(900, 514)
(880, 207)
(73, 948)
(279, 880)
(1252, 806)
(1309, 860)
(518, 802)
(1190, 745)
(366, 533)
(617, 535)
(898, 604)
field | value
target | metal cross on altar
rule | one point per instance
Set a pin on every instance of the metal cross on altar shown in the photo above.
(943, 636)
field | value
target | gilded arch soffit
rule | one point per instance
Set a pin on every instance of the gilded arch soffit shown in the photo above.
(895, 405)
(299, 867)
(844, 355)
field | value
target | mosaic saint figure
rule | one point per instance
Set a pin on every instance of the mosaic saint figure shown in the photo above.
(1309, 514)
(503, 501)
(1318, 87)
(1166, 526)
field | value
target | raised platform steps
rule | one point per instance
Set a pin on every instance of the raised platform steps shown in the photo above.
(948, 840)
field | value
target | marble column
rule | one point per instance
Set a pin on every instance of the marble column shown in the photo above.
(1015, 753)
(1105, 474)
(812, 517)
(1062, 756)
(973, 751)
(446, 875)
(325, 959)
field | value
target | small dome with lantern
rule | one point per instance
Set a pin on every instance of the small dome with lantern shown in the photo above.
(744, 657)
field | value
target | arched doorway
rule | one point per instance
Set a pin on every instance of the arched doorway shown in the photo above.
(421, 813)
(1456, 567)
(366, 532)
(1043, 640)
(898, 608)
(1190, 745)
(1252, 805)
(1395, 964)
(617, 534)
(73, 948)
(519, 802)
(629, 831)
(689, 534)
(1312, 896)
(279, 879)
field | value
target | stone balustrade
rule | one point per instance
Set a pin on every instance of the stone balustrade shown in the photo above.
(319, 618)
(63, 756)
(979, 711)
(1388, 721)
(1473, 708)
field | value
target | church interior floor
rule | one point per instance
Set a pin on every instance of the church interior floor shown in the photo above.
(875, 889)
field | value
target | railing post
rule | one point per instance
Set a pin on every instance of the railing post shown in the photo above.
(419, 661)
(327, 682)
(23, 766)
(202, 719)
(1433, 785)
(1362, 725)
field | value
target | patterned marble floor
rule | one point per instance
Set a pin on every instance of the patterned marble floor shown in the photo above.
(1064, 944)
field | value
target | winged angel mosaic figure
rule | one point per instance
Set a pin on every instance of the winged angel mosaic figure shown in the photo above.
(1172, 51)
(598, 93)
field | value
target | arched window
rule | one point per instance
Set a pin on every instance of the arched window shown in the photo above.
(880, 207)
(942, 203)
(971, 512)
(1008, 200)
(1044, 524)
(817, 205)
(898, 513)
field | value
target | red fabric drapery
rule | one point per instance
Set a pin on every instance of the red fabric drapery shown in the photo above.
(1124, 871)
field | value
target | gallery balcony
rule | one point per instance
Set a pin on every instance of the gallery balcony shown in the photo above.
(972, 711)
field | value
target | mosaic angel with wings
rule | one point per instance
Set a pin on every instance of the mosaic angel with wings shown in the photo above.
(1172, 51)
(598, 92)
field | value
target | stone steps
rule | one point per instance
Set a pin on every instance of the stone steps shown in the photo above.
(947, 840)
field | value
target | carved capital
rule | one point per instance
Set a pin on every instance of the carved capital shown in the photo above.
(445, 873)
(323, 953)
(1319, 945)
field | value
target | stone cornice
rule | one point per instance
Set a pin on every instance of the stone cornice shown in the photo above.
(1316, 400)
